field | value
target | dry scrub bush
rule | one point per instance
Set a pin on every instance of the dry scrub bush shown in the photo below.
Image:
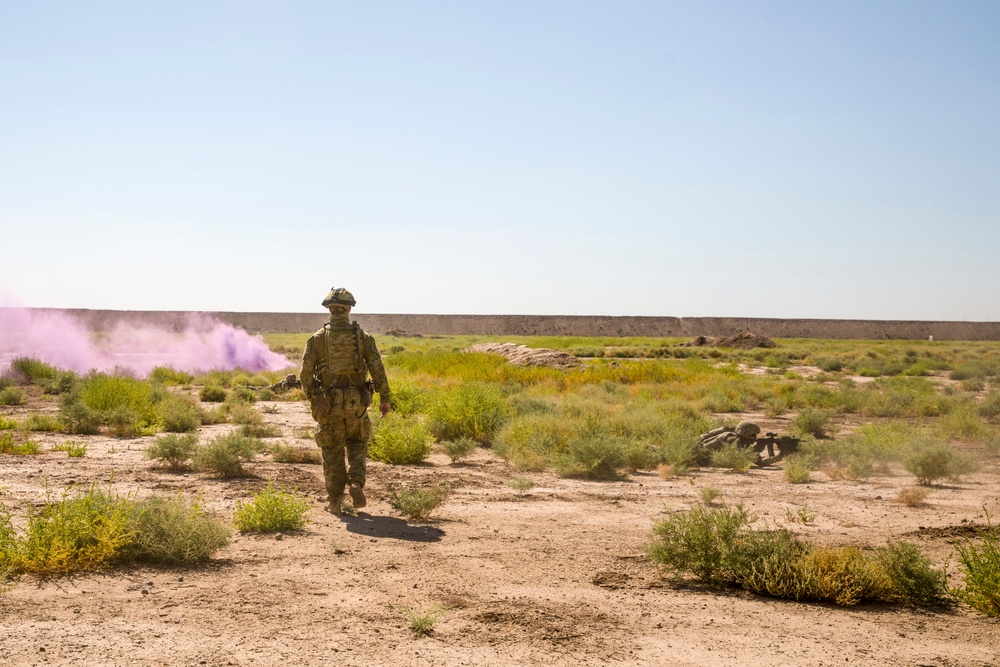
(797, 468)
(521, 485)
(39, 422)
(212, 394)
(930, 461)
(459, 449)
(734, 457)
(12, 396)
(811, 422)
(179, 414)
(913, 496)
(417, 504)
(271, 511)
(225, 455)
(174, 531)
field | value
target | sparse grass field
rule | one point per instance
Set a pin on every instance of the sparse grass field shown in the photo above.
(885, 502)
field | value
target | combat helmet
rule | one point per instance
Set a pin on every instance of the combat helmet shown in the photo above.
(290, 378)
(338, 295)
(747, 429)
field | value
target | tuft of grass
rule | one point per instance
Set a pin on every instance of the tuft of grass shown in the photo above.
(798, 467)
(521, 485)
(73, 449)
(459, 449)
(225, 455)
(173, 449)
(400, 440)
(285, 453)
(418, 503)
(672, 470)
(980, 567)
(271, 511)
(913, 496)
(10, 445)
(709, 494)
(422, 622)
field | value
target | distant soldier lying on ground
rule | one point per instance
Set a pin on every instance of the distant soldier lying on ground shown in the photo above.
(290, 382)
(745, 436)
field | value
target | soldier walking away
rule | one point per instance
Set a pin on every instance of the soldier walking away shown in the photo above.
(336, 364)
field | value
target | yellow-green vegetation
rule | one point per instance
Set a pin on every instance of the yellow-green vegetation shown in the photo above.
(418, 503)
(7, 423)
(979, 562)
(12, 396)
(73, 449)
(718, 546)
(91, 529)
(521, 485)
(271, 511)
(12, 444)
(39, 422)
(400, 440)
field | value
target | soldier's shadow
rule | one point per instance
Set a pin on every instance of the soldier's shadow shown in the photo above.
(390, 527)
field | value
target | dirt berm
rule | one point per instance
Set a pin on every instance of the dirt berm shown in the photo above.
(570, 325)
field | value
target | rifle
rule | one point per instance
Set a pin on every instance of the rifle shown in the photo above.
(786, 445)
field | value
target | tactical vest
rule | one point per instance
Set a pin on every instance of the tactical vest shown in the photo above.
(341, 363)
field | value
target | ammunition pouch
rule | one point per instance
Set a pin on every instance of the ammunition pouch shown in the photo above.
(341, 402)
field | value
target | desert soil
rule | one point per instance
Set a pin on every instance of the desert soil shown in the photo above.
(554, 577)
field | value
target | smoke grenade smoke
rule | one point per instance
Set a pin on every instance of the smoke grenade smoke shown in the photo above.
(63, 340)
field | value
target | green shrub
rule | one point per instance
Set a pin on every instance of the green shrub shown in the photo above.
(31, 371)
(80, 419)
(261, 430)
(123, 422)
(173, 531)
(242, 395)
(699, 541)
(271, 511)
(121, 399)
(531, 441)
(592, 457)
(709, 494)
(168, 375)
(12, 396)
(929, 461)
(408, 399)
(417, 504)
(422, 622)
(980, 566)
(63, 383)
(459, 449)
(734, 457)
(474, 410)
(212, 394)
(639, 455)
(39, 422)
(174, 450)
(811, 422)
(7, 423)
(180, 414)
(914, 580)
(400, 440)
(225, 455)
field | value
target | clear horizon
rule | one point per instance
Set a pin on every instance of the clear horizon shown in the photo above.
(718, 159)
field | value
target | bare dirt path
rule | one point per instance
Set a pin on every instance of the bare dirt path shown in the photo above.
(554, 577)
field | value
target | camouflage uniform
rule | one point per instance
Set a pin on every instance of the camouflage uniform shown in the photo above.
(290, 382)
(336, 364)
(744, 436)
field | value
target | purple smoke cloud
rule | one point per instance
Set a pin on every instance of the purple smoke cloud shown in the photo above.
(64, 341)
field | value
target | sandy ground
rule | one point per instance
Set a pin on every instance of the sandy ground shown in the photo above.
(554, 577)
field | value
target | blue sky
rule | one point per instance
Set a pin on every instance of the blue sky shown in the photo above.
(760, 159)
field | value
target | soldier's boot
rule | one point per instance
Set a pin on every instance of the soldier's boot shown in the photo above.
(358, 496)
(336, 506)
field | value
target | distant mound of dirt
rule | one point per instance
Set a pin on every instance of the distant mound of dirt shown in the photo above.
(744, 341)
(522, 355)
(399, 333)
